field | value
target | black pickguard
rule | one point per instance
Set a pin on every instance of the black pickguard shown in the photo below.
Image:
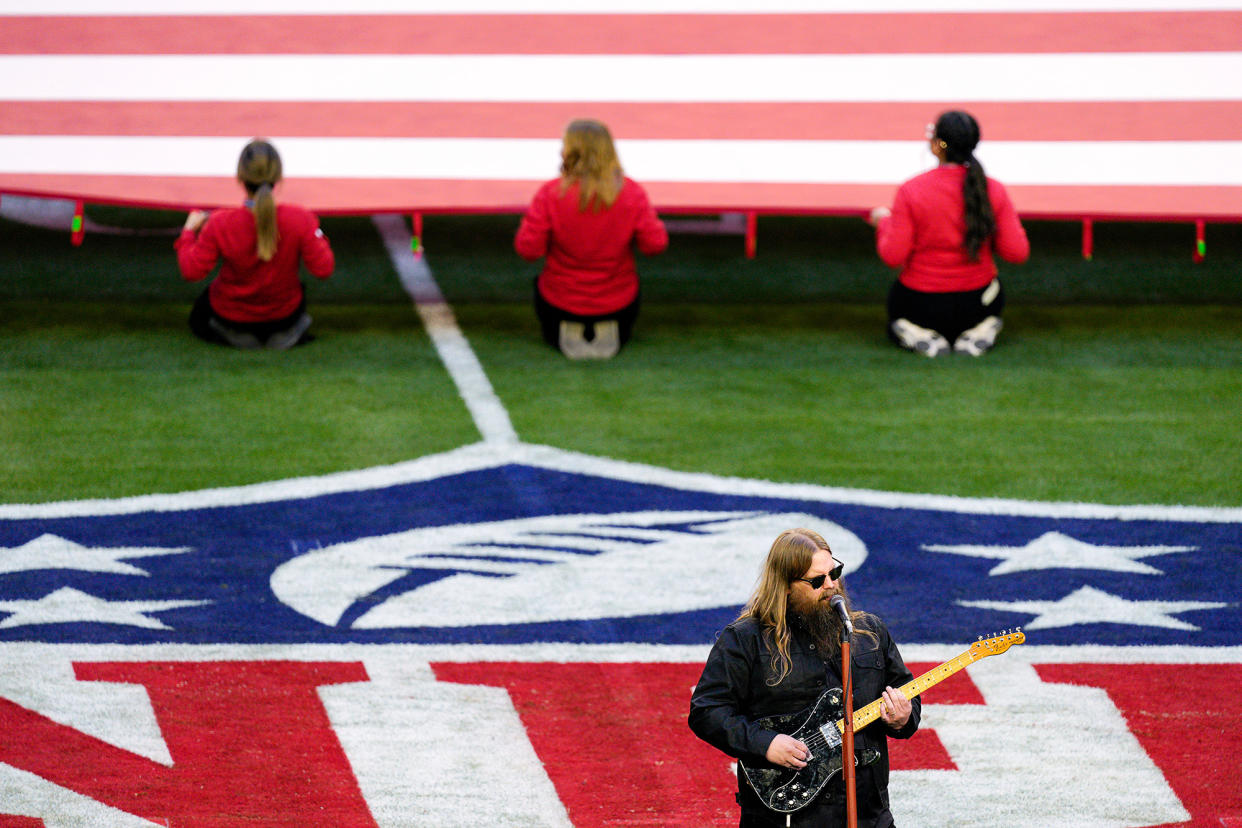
(786, 789)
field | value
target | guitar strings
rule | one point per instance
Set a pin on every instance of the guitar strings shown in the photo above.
(818, 740)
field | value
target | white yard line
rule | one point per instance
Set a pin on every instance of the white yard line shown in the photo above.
(483, 455)
(489, 414)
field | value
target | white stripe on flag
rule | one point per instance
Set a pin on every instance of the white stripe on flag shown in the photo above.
(1153, 163)
(1199, 76)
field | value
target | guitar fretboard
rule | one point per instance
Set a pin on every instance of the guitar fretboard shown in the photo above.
(867, 714)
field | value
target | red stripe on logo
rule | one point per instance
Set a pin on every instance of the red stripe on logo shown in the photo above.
(251, 744)
(1187, 718)
(614, 739)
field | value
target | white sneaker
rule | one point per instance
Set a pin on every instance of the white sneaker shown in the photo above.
(979, 340)
(605, 344)
(920, 340)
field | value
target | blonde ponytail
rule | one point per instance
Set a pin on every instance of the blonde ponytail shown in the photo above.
(265, 222)
(259, 169)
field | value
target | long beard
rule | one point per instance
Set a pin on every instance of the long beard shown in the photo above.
(823, 623)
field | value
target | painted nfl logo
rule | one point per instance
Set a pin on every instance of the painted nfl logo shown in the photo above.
(534, 544)
(369, 626)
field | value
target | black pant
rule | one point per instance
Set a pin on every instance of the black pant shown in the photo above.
(551, 317)
(207, 325)
(949, 314)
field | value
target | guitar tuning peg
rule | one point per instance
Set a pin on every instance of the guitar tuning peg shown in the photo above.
(980, 638)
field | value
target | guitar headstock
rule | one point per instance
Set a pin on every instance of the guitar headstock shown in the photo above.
(998, 643)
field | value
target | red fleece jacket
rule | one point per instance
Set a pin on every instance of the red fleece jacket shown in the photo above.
(590, 258)
(924, 234)
(249, 289)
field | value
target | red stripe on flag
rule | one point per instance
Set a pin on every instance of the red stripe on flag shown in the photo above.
(359, 196)
(1018, 121)
(322, 195)
(614, 34)
(1133, 203)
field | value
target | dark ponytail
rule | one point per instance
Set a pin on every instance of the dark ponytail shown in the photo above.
(259, 169)
(980, 221)
(958, 134)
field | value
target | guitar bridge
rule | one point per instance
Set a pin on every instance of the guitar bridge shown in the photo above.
(831, 735)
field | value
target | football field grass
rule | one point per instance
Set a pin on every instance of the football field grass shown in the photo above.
(1117, 380)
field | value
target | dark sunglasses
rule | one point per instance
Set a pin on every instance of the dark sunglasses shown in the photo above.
(818, 580)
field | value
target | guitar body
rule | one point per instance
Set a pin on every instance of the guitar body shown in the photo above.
(788, 789)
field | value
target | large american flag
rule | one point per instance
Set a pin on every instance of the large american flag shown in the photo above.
(1089, 108)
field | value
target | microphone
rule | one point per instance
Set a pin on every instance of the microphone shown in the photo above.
(838, 603)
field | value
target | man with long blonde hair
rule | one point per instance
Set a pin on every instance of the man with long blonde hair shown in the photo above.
(778, 658)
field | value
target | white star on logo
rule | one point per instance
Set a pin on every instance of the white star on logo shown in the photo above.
(70, 606)
(1087, 605)
(1052, 550)
(52, 552)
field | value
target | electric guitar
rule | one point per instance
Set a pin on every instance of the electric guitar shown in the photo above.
(821, 726)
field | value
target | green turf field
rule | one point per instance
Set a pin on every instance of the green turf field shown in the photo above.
(1116, 380)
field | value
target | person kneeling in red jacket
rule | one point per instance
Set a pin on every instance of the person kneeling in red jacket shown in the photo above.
(257, 300)
(586, 223)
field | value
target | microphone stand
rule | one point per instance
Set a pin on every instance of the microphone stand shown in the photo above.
(847, 743)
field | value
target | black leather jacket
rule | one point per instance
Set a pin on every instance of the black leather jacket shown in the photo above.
(733, 693)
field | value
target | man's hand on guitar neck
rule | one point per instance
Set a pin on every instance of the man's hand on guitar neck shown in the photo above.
(894, 708)
(788, 752)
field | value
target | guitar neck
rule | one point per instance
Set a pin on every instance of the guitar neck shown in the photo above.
(867, 714)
